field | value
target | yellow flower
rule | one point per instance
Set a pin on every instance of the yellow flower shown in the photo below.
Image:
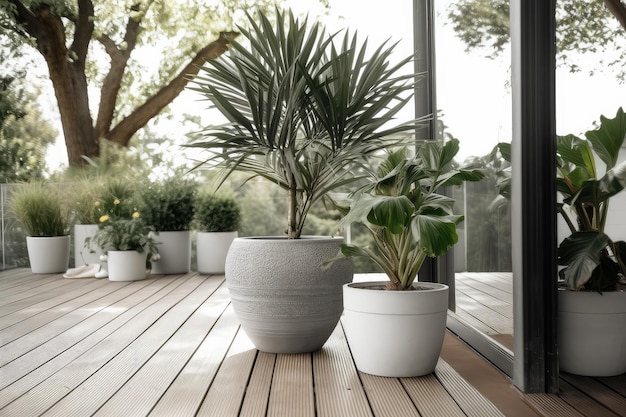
(116, 201)
(135, 215)
(97, 204)
(104, 218)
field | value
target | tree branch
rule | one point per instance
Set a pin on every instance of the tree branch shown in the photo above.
(113, 80)
(26, 20)
(618, 9)
(122, 133)
(84, 30)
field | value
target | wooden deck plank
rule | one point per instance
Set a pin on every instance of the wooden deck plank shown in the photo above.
(16, 312)
(172, 346)
(616, 383)
(388, 397)
(292, 387)
(127, 341)
(37, 373)
(17, 281)
(551, 405)
(228, 389)
(127, 297)
(581, 402)
(500, 285)
(598, 392)
(255, 402)
(95, 391)
(487, 299)
(494, 320)
(466, 396)
(42, 327)
(430, 398)
(338, 389)
(139, 393)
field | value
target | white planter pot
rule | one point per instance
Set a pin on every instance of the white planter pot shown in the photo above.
(286, 302)
(83, 255)
(127, 265)
(48, 255)
(175, 252)
(211, 251)
(395, 333)
(592, 333)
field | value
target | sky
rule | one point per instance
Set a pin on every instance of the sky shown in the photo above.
(473, 92)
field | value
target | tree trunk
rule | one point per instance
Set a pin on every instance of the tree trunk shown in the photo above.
(67, 73)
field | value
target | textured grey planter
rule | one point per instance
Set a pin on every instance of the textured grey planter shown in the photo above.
(286, 302)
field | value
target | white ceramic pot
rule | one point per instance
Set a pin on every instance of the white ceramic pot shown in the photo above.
(592, 332)
(127, 265)
(48, 255)
(395, 333)
(211, 251)
(174, 251)
(285, 300)
(83, 255)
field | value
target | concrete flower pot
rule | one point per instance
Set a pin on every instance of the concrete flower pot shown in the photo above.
(286, 302)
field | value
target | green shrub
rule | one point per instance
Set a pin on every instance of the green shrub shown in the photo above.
(41, 208)
(216, 213)
(169, 205)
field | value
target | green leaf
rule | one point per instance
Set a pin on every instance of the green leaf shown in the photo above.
(608, 139)
(436, 234)
(581, 253)
(391, 212)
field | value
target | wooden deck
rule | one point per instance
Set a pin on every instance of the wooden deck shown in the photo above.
(171, 346)
(485, 301)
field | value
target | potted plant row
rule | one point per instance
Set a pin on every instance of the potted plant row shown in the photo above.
(216, 220)
(304, 109)
(395, 328)
(592, 300)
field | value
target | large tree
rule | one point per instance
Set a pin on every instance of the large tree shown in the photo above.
(583, 26)
(88, 47)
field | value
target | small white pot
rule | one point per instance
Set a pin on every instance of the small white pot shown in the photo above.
(174, 251)
(592, 332)
(211, 251)
(395, 333)
(83, 255)
(48, 255)
(127, 265)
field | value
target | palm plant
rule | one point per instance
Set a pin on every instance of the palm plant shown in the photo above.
(303, 108)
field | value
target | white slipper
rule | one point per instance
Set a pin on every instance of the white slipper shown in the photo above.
(84, 271)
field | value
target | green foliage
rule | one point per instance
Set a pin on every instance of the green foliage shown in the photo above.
(41, 208)
(168, 205)
(403, 213)
(305, 109)
(91, 196)
(216, 213)
(24, 134)
(119, 231)
(592, 260)
(583, 26)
